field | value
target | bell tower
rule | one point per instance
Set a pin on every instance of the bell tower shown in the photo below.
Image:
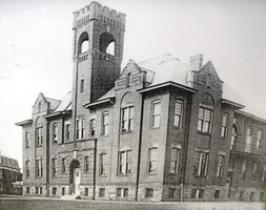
(97, 52)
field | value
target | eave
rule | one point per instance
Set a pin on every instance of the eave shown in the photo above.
(231, 103)
(110, 100)
(167, 84)
(24, 122)
(59, 113)
(252, 116)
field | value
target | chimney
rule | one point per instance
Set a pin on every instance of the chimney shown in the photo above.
(196, 62)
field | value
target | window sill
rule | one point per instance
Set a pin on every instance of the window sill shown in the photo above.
(178, 127)
(38, 146)
(126, 132)
(204, 133)
(154, 128)
(172, 174)
(124, 175)
(152, 173)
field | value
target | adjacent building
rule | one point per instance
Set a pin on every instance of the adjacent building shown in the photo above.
(9, 173)
(159, 130)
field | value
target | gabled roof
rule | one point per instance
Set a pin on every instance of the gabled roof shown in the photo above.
(65, 103)
(165, 68)
(52, 101)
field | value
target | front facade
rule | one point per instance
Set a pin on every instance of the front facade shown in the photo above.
(160, 130)
(9, 174)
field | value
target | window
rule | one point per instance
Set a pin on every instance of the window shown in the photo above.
(255, 171)
(63, 165)
(204, 120)
(92, 127)
(68, 131)
(40, 190)
(208, 78)
(127, 118)
(107, 43)
(63, 191)
(201, 165)
(86, 191)
(81, 85)
(105, 125)
(39, 107)
(55, 133)
(244, 169)
(152, 162)
(36, 190)
(86, 164)
(241, 195)
(149, 193)
(171, 192)
(83, 42)
(197, 193)
(224, 125)
(233, 137)
(217, 194)
(103, 164)
(122, 192)
(252, 196)
(262, 196)
(174, 162)
(128, 79)
(80, 128)
(125, 162)
(178, 113)
(39, 169)
(27, 166)
(53, 167)
(39, 136)
(156, 114)
(259, 138)
(248, 140)
(220, 166)
(54, 190)
(27, 139)
(101, 192)
(27, 190)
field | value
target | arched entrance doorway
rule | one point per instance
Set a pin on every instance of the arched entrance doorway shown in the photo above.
(75, 177)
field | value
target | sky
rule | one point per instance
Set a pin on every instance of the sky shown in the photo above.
(36, 48)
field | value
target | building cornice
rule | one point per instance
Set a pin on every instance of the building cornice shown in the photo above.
(167, 84)
(110, 100)
(59, 113)
(252, 116)
(232, 103)
(24, 122)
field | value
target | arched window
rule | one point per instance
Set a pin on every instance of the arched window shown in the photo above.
(83, 43)
(107, 44)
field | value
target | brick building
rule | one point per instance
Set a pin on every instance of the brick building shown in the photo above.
(159, 130)
(9, 173)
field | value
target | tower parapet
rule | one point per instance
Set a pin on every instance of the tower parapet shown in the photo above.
(95, 11)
